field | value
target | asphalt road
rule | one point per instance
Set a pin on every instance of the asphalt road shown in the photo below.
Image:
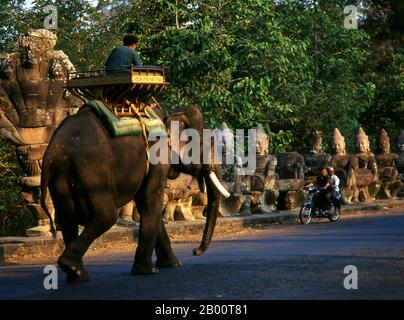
(287, 262)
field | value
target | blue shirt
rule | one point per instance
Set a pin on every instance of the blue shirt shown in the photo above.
(122, 58)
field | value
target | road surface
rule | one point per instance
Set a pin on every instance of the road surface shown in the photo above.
(279, 262)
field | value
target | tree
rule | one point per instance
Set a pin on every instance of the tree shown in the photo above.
(385, 26)
(340, 91)
(11, 23)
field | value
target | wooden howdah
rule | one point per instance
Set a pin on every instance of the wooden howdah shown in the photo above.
(138, 84)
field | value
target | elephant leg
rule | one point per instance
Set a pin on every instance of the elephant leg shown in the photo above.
(105, 215)
(150, 204)
(164, 252)
(150, 215)
(70, 232)
(64, 209)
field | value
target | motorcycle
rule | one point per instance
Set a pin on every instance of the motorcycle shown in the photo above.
(313, 207)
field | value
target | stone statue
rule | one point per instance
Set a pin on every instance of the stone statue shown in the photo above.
(367, 174)
(400, 149)
(231, 179)
(180, 197)
(316, 143)
(387, 166)
(291, 165)
(262, 183)
(33, 102)
(344, 165)
(400, 164)
(315, 159)
(229, 170)
(291, 169)
(254, 193)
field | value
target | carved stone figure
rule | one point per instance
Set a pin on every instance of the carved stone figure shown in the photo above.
(387, 167)
(181, 197)
(254, 193)
(400, 165)
(400, 149)
(344, 165)
(262, 183)
(291, 166)
(33, 102)
(367, 179)
(291, 170)
(315, 159)
(232, 181)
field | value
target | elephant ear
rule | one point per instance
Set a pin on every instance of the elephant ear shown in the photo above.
(191, 116)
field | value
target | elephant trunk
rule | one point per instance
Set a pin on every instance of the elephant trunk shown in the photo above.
(212, 210)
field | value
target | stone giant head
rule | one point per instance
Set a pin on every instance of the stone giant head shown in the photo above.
(383, 142)
(316, 142)
(400, 141)
(338, 143)
(35, 46)
(362, 142)
(262, 141)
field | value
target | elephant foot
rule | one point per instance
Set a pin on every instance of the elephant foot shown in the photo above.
(198, 251)
(168, 263)
(139, 269)
(74, 269)
(73, 278)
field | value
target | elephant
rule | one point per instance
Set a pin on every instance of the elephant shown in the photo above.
(90, 175)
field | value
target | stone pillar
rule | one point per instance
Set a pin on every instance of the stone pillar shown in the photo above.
(33, 102)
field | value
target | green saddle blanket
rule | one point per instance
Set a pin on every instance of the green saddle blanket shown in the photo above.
(127, 126)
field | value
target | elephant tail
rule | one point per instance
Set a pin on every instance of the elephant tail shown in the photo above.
(45, 176)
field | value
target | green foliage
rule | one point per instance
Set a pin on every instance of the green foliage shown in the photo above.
(11, 23)
(339, 93)
(15, 217)
(289, 65)
(385, 26)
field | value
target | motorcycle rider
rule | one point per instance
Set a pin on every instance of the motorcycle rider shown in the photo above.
(324, 184)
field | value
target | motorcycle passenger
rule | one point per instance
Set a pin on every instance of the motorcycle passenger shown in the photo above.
(335, 193)
(324, 184)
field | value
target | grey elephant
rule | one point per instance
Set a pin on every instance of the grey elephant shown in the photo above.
(91, 175)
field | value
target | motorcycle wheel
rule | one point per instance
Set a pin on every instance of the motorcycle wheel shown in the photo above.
(334, 214)
(305, 214)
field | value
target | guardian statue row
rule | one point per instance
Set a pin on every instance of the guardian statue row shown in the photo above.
(278, 181)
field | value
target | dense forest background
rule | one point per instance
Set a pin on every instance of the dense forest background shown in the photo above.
(289, 65)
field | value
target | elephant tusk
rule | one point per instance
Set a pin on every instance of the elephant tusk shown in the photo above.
(218, 185)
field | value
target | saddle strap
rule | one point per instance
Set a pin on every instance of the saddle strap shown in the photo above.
(144, 132)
